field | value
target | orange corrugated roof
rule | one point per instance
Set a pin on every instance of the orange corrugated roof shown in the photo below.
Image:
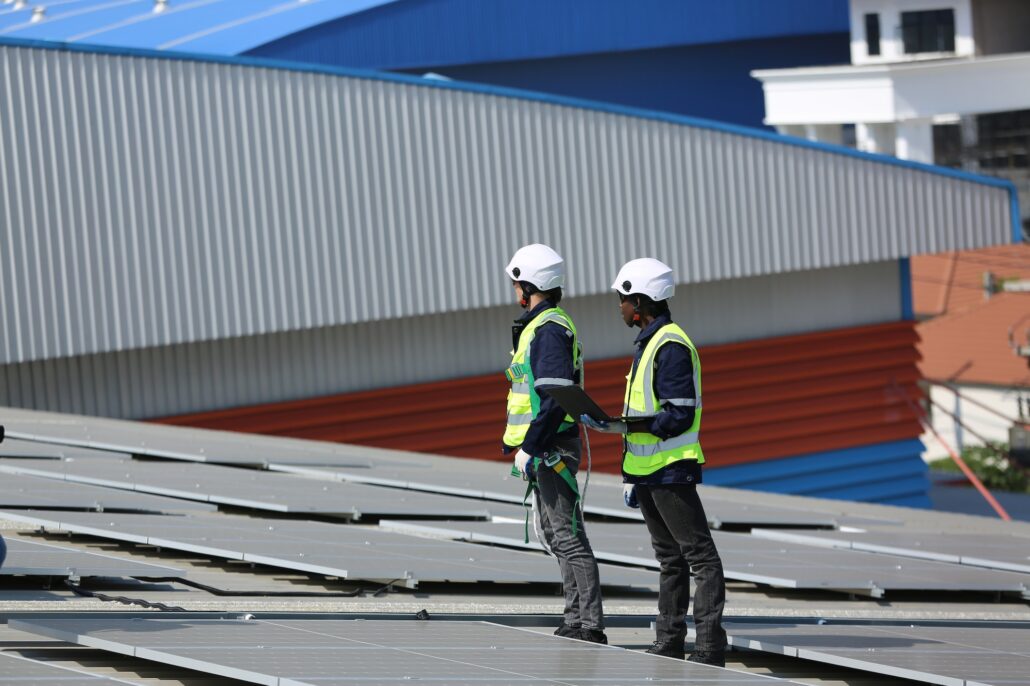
(953, 282)
(972, 345)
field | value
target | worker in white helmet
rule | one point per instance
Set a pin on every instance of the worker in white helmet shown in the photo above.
(543, 439)
(662, 460)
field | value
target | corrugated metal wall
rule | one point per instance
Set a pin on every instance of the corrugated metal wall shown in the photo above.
(151, 201)
(273, 367)
(763, 400)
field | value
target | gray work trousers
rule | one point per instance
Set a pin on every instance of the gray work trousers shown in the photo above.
(683, 542)
(581, 582)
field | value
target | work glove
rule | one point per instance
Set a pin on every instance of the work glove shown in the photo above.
(629, 496)
(522, 461)
(604, 427)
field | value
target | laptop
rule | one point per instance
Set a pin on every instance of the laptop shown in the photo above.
(575, 401)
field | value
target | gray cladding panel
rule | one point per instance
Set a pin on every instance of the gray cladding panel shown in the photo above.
(30, 558)
(303, 187)
(748, 558)
(254, 489)
(978, 550)
(331, 652)
(346, 551)
(17, 490)
(955, 656)
(20, 671)
(207, 375)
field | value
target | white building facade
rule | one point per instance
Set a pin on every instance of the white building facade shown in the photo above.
(937, 81)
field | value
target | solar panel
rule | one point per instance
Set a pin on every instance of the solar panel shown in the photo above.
(995, 551)
(21, 671)
(757, 560)
(344, 551)
(17, 490)
(493, 481)
(29, 558)
(171, 442)
(959, 656)
(374, 653)
(256, 489)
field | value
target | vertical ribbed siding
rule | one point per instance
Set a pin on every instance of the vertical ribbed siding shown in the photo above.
(210, 375)
(151, 202)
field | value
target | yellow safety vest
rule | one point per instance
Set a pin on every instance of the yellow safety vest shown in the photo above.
(644, 453)
(523, 401)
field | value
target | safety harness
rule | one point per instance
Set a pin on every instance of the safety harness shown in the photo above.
(554, 462)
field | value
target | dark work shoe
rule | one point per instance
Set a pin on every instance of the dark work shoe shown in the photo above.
(667, 649)
(716, 658)
(593, 636)
(567, 631)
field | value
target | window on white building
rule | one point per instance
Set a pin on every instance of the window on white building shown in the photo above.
(872, 34)
(928, 31)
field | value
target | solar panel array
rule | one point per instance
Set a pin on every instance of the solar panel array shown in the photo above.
(255, 489)
(372, 653)
(347, 552)
(786, 547)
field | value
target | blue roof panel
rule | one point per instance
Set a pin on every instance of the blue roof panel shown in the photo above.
(221, 27)
(402, 32)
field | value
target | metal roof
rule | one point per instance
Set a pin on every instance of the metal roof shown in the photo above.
(193, 199)
(222, 27)
(412, 32)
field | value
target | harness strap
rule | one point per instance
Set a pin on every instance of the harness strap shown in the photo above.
(561, 469)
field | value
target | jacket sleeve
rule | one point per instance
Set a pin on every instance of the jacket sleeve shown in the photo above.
(674, 386)
(550, 359)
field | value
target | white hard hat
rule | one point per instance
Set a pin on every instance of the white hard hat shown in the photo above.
(539, 265)
(646, 276)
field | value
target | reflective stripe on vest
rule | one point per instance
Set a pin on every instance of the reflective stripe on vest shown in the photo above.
(645, 453)
(523, 401)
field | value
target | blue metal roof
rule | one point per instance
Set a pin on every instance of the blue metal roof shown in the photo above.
(219, 27)
(397, 33)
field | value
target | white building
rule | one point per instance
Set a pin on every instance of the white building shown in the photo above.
(939, 81)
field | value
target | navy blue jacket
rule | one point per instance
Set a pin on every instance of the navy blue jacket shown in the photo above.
(673, 378)
(550, 357)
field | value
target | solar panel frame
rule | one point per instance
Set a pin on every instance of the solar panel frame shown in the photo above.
(13, 448)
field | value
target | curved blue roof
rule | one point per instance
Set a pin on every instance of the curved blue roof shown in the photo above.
(399, 33)
(219, 27)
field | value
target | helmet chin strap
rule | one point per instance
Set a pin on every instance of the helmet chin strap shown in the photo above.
(528, 291)
(636, 314)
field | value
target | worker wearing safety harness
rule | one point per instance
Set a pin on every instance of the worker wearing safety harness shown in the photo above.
(544, 440)
(661, 464)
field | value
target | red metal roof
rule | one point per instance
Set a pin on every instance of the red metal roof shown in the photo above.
(972, 345)
(763, 399)
(954, 281)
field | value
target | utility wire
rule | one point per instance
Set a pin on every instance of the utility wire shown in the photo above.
(920, 413)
